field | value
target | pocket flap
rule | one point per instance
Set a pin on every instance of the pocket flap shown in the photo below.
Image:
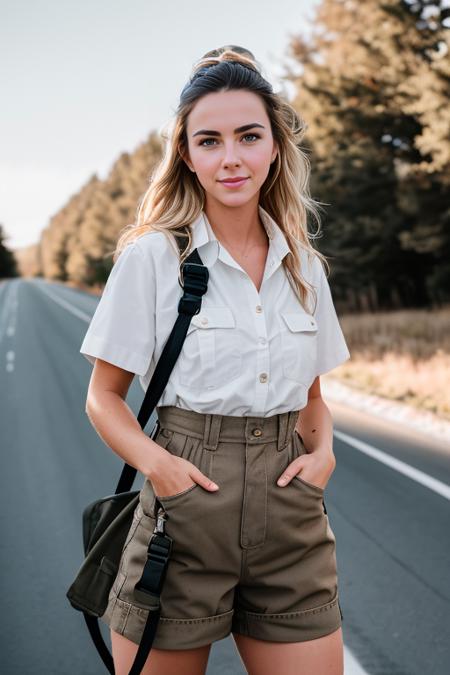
(300, 321)
(213, 317)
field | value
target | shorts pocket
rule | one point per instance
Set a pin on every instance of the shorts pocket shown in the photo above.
(310, 485)
(191, 449)
(299, 449)
(211, 354)
(299, 346)
(171, 498)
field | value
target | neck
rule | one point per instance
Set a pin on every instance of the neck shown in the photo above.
(237, 226)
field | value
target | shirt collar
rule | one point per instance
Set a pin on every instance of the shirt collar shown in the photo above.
(209, 248)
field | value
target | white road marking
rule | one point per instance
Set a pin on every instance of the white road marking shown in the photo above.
(415, 474)
(8, 322)
(67, 305)
(6, 305)
(351, 665)
(427, 423)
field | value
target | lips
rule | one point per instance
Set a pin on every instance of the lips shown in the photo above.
(236, 179)
(234, 182)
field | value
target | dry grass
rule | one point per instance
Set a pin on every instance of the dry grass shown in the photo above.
(401, 355)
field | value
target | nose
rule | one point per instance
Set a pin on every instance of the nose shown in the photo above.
(230, 156)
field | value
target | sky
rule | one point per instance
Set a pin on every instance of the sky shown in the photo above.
(84, 81)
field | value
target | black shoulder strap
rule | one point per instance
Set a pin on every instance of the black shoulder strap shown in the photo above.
(194, 283)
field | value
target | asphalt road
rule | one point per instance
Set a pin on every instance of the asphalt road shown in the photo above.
(392, 531)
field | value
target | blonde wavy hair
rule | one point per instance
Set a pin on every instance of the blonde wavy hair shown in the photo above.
(175, 198)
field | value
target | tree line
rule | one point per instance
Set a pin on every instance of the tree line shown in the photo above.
(372, 82)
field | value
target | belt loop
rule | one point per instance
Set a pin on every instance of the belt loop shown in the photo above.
(283, 426)
(293, 418)
(211, 431)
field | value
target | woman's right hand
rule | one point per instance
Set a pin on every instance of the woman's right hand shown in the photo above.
(175, 474)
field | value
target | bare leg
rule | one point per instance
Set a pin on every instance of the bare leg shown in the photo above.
(160, 661)
(322, 656)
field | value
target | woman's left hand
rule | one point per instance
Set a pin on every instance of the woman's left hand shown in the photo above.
(314, 467)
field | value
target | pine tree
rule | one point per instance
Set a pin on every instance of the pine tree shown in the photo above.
(8, 264)
(374, 91)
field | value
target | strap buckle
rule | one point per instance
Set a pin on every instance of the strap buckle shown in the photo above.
(194, 283)
(197, 275)
(149, 586)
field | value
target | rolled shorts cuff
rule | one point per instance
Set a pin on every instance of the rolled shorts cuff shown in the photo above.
(129, 620)
(298, 626)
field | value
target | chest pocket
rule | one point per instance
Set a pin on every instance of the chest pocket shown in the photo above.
(299, 346)
(211, 356)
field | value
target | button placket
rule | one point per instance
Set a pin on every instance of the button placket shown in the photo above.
(262, 361)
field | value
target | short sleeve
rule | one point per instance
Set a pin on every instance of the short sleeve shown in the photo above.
(122, 329)
(332, 348)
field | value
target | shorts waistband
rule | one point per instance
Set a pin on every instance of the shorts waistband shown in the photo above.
(212, 427)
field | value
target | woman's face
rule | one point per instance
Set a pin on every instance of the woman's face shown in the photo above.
(218, 147)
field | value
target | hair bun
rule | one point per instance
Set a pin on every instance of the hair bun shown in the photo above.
(227, 53)
(229, 48)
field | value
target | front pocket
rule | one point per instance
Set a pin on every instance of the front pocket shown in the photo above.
(189, 448)
(299, 346)
(165, 498)
(211, 354)
(299, 449)
(310, 485)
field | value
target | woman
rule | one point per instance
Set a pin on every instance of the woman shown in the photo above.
(253, 552)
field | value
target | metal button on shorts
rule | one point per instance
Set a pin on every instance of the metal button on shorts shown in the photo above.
(252, 557)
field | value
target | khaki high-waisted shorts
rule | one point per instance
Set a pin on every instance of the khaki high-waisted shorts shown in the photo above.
(252, 557)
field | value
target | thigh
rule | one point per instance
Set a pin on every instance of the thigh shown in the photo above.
(321, 656)
(159, 661)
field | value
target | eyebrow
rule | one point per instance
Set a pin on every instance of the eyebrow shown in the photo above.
(246, 127)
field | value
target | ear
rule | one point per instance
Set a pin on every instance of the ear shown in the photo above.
(185, 157)
(274, 152)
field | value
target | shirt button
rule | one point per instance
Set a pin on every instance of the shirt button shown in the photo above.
(256, 432)
(262, 341)
(204, 320)
(263, 377)
(258, 309)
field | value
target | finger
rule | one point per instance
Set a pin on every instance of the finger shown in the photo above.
(204, 481)
(288, 474)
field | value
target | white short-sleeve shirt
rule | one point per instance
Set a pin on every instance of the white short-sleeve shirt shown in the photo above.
(246, 353)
